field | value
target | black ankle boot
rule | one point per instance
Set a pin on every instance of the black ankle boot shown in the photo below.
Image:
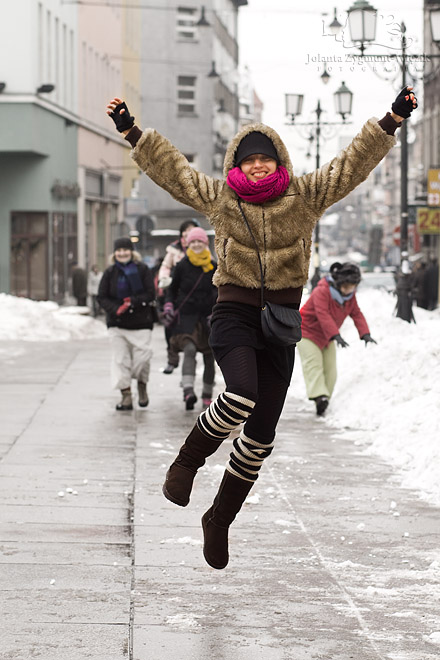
(192, 455)
(321, 405)
(216, 521)
(189, 398)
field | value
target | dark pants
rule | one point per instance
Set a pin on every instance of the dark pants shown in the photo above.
(173, 357)
(251, 372)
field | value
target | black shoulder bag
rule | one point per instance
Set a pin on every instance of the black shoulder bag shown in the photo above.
(280, 325)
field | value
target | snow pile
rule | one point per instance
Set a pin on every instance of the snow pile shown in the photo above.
(389, 394)
(28, 320)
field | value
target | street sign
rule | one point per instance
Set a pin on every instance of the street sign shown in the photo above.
(428, 220)
(433, 188)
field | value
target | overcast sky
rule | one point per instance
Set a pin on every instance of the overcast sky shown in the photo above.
(280, 45)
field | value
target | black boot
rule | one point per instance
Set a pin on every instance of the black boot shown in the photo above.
(189, 398)
(321, 405)
(192, 454)
(215, 522)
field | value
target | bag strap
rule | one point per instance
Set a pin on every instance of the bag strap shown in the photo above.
(258, 252)
(190, 293)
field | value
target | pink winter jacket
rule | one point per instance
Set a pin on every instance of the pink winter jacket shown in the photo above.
(322, 316)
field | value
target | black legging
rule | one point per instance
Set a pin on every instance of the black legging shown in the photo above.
(252, 373)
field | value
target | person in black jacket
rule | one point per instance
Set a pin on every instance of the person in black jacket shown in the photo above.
(125, 293)
(189, 301)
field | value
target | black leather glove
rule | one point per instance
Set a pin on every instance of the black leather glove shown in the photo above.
(368, 339)
(341, 342)
(125, 121)
(404, 104)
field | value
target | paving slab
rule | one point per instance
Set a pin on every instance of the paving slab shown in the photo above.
(53, 641)
(61, 552)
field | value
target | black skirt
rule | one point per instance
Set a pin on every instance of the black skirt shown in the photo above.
(235, 324)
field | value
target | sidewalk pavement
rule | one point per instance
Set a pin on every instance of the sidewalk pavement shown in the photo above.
(330, 558)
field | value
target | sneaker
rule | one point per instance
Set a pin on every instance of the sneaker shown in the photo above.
(321, 404)
(206, 401)
(168, 369)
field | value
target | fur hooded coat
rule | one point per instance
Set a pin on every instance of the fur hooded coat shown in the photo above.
(283, 226)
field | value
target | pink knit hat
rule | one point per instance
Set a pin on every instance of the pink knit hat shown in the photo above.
(197, 234)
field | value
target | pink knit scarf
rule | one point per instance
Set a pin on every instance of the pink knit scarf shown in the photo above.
(258, 192)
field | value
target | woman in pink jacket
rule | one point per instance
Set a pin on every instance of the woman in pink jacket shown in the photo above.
(328, 306)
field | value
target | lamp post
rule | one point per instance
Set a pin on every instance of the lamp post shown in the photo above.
(362, 25)
(343, 102)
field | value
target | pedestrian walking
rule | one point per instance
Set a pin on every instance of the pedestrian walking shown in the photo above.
(93, 280)
(126, 292)
(419, 291)
(175, 251)
(189, 301)
(263, 216)
(431, 284)
(329, 304)
(79, 284)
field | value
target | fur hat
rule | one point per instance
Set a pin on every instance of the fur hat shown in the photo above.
(124, 243)
(255, 143)
(197, 234)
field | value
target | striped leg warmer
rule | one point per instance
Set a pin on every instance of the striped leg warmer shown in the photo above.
(228, 411)
(247, 457)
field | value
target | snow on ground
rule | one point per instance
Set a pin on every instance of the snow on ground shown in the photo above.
(28, 320)
(388, 396)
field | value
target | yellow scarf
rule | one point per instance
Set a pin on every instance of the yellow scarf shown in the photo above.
(203, 259)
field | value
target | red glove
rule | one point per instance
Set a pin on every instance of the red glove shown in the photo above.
(123, 308)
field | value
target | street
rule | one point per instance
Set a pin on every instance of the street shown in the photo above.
(330, 557)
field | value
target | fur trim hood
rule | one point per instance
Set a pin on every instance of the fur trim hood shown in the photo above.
(137, 258)
(279, 145)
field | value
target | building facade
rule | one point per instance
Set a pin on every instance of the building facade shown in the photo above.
(38, 149)
(190, 95)
(63, 168)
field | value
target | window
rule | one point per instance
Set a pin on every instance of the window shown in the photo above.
(186, 94)
(186, 23)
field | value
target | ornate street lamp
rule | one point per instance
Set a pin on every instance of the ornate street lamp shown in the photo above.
(335, 27)
(362, 23)
(325, 76)
(294, 103)
(434, 19)
(343, 101)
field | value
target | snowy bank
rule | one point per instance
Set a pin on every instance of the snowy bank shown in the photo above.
(388, 396)
(28, 320)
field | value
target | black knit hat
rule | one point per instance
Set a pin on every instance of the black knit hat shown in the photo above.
(124, 243)
(255, 143)
(346, 273)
